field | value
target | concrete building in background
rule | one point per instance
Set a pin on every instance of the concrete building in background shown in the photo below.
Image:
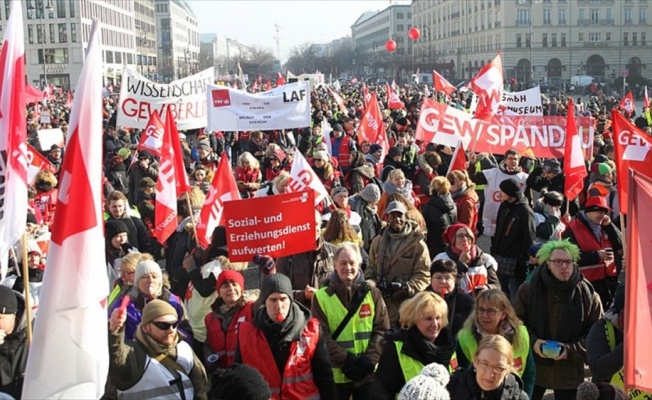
(146, 38)
(541, 40)
(178, 39)
(222, 53)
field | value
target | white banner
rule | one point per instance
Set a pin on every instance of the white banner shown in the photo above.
(284, 107)
(526, 102)
(139, 97)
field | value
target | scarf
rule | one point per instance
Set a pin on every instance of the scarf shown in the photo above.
(454, 254)
(439, 351)
(460, 191)
(573, 291)
(406, 190)
(595, 228)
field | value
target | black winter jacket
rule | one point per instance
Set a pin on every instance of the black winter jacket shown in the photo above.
(13, 355)
(439, 212)
(463, 385)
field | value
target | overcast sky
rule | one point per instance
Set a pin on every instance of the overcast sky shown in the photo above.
(309, 21)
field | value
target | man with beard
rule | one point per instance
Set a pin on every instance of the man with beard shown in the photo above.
(286, 345)
(157, 363)
(398, 260)
(492, 178)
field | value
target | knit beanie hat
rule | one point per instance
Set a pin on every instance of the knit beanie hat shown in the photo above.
(338, 190)
(601, 168)
(146, 267)
(322, 155)
(124, 153)
(395, 151)
(449, 233)
(599, 391)
(156, 308)
(239, 381)
(552, 165)
(8, 302)
(276, 283)
(510, 187)
(230, 275)
(115, 227)
(374, 148)
(430, 384)
(370, 193)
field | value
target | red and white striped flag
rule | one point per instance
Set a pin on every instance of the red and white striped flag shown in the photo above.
(627, 103)
(152, 137)
(441, 84)
(393, 101)
(303, 177)
(574, 168)
(13, 130)
(223, 188)
(458, 161)
(65, 359)
(488, 86)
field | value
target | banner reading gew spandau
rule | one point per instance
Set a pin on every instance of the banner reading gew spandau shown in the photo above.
(284, 107)
(139, 97)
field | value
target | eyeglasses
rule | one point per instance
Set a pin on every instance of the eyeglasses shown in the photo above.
(497, 369)
(489, 311)
(559, 263)
(462, 236)
(164, 326)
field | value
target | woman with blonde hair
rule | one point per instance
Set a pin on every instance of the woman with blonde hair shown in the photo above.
(397, 183)
(247, 175)
(420, 341)
(439, 213)
(492, 375)
(494, 315)
(465, 197)
(338, 229)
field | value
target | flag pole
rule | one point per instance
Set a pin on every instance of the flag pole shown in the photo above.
(622, 229)
(28, 307)
(192, 218)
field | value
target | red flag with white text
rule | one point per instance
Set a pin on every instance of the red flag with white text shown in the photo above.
(180, 177)
(458, 161)
(151, 138)
(338, 100)
(366, 95)
(488, 86)
(393, 102)
(223, 188)
(37, 162)
(13, 129)
(441, 84)
(574, 168)
(165, 207)
(632, 149)
(371, 124)
(65, 361)
(638, 291)
(627, 103)
(303, 177)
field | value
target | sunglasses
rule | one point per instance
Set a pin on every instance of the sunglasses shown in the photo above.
(164, 326)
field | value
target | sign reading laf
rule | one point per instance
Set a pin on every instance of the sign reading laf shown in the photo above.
(529, 135)
(284, 107)
(139, 97)
(279, 225)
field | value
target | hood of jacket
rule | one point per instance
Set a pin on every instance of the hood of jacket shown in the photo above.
(444, 203)
(365, 170)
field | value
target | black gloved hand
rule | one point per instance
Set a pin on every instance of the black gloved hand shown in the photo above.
(353, 368)
(366, 364)
(392, 287)
(400, 295)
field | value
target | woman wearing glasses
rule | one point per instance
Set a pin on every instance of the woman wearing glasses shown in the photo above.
(476, 269)
(494, 315)
(492, 375)
(558, 306)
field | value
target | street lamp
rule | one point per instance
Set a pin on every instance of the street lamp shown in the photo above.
(31, 10)
(143, 44)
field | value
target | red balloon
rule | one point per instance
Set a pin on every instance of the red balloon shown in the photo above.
(414, 33)
(390, 45)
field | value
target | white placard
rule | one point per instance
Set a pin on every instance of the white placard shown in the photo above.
(526, 102)
(48, 137)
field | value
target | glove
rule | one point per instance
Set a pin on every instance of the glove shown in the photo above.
(392, 287)
(366, 364)
(265, 263)
(400, 295)
(353, 368)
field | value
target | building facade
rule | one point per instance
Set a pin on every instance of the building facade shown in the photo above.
(178, 39)
(223, 54)
(369, 34)
(146, 38)
(540, 40)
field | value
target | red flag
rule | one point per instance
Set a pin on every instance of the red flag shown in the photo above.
(165, 207)
(339, 101)
(632, 150)
(458, 161)
(488, 86)
(303, 177)
(13, 128)
(69, 100)
(32, 94)
(64, 360)
(441, 84)
(180, 177)
(366, 95)
(627, 103)
(393, 102)
(37, 162)
(223, 188)
(280, 81)
(354, 80)
(638, 292)
(268, 85)
(574, 168)
(152, 137)
(371, 124)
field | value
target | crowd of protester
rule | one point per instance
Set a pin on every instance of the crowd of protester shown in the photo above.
(398, 299)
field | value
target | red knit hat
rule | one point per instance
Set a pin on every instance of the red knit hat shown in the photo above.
(449, 233)
(230, 275)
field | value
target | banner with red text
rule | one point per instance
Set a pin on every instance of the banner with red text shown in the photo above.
(278, 225)
(139, 97)
(541, 136)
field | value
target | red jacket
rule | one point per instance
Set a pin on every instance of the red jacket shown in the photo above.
(344, 156)
(587, 241)
(297, 381)
(223, 343)
(47, 204)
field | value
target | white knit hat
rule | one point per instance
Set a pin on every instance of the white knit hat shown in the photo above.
(430, 384)
(146, 267)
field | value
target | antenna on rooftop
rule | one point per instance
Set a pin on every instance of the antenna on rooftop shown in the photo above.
(278, 38)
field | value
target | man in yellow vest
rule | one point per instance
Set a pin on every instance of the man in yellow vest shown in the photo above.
(353, 318)
(604, 347)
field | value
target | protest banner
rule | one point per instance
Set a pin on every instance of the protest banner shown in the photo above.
(284, 107)
(314, 80)
(45, 117)
(186, 97)
(48, 137)
(526, 102)
(539, 136)
(278, 225)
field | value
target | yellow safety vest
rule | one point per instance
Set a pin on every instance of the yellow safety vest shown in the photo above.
(618, 378)
(478, 168)
(357, 333)
(412, 367)
(469, 346)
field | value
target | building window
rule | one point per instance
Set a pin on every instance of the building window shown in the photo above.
(594, 16)
(544, 40)
(554, 39)
(61, 8)
(563, 40)
(580, 14)
(39, 33)
(643, 38)
(7, 11)
(607, 36)
(580, 37)
(518, 40)
(523, 17)
(109, 57)
(118, 57)
(63, 33)
(73, 32)
(53, 56)
(595, 37)
(399, 28)
(634, 39)
(546, 16)
(71, 4)
(561, 16)
(30, 34)
(625, 39)
(642, 15)
(399, 15)
(528, 40)
(52, 34)
(628, 15)
(609, 16)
